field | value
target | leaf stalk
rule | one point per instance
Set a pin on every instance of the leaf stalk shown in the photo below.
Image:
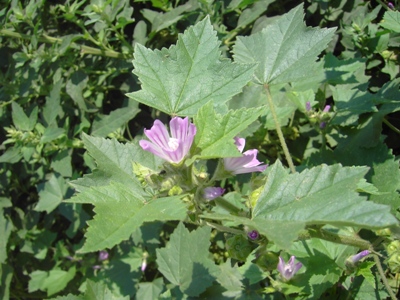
(279, 130)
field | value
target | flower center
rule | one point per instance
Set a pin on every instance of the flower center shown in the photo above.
(173, 144)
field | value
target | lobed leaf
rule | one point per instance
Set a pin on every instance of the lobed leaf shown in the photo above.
(181, 79)
(120, 211)
(285, 51)
(185, 260)
(114, 162)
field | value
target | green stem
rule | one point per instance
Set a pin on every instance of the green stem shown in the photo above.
(383, 277)
(224, 228)
(52, 40)
(279, 130)
(335, 238)
(227, 205)
(391, 126)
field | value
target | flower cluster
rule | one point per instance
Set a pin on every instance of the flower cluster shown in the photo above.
(318, 117)
(174, 146)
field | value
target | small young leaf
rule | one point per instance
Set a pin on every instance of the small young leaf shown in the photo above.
(215, 132)
(20, 119)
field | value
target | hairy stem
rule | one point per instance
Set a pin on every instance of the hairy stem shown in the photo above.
(279, 130)
(335, 238)
(52, 40)
(383, 277)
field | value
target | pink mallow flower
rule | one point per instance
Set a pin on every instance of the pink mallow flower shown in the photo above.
(247, 163)
(289, 269)
(173, 148)
(210, 193)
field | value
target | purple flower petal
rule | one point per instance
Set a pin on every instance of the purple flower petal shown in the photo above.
(247, 163)
(308, 106)
(289, 269)
(326, 108)
(359, 256)
(210, 193)
(173, 148)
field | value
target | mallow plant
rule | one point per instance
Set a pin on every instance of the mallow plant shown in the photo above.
(210, 216)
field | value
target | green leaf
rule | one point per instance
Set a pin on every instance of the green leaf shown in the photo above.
(252, 271)
(37, 280)
(57, 280)
(6, 226)
(114, 162)
(321, 195)
(20, 119)
(52, 282)
(350, 104)
(319, 258)
(12, 155)
(6, 274)
(51, 133)
(61, 163)
(109, 123)
(391, 20)
(150, 290)
(285, 51)
(120, 211)
(74, 88)
(52, 108)
(230, 277)
(215, 132)
(51, 193)
(161, 21)
(350, 72)
(181, 79)
(249, 15)
(185, 260)
(99, 291)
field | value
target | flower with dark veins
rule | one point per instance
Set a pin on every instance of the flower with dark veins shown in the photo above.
(173, 146)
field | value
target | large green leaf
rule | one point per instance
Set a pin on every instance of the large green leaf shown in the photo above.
(181, 79)
(215, 132)
(114, 162)
(285, 51)
(324, 194)
(321, 195)
(120, 211)
(185, 261)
